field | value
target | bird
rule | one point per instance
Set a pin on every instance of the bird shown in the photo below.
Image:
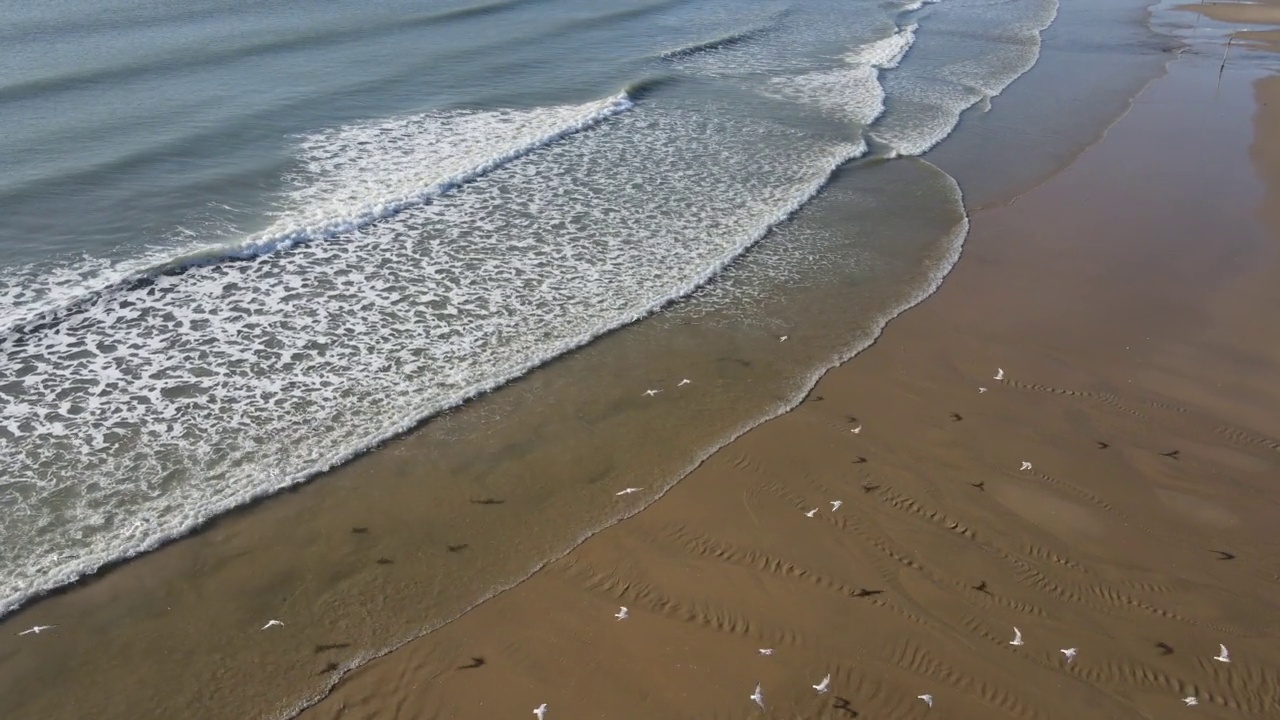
(781, 338)
(835, 505)
(1017, 637)
(758, 696)
(36, 630)
(856, 430)
(1070, 653)
(1190, 700)
(811, 513)
(622, 613)
(628, 491)
(540, 711)
(766, 651)
(822, 686)
(1223, 655)
(1025, 465)
(272, 623)
(927, 698)
(999, 374)
(651, 393)
(683, 382)
(981, 390)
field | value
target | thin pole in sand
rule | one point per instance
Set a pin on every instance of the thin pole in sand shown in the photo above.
(1223, 66)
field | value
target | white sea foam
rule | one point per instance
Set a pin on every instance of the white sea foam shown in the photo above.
(851, 91)
(347, 178)
(925, 101)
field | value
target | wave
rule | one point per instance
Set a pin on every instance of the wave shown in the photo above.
(70, 288)
(183, 58)
(925, 102)
(852, 91)
(724, 41)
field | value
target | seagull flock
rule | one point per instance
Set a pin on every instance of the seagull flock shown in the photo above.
(823, 686)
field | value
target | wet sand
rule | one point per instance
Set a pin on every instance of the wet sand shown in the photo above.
(1130, 302)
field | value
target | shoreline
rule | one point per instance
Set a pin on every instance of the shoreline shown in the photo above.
(298, 510)
(535, 635)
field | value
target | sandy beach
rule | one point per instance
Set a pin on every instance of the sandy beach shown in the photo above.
(1077, 436)
(1129, 301)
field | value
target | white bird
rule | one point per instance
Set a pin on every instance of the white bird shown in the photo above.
(822, 686)
(927, 698)
(766, 651)
(856, 430)
(782, 338)
(651, 393)
(1025, 465)
(540, 711)
(1017, 637)
(1223, 655)
(628, 491)
(758, 696)
(1069, 653)
(272, 623)
(981, 390)
(37, 630)
(835, 505)
(1190, 700)
(811, 513)
(683, 382)
(999, 374)
(622, 613)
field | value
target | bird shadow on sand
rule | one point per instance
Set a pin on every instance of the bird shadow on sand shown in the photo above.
(843, 705)
(476, 662)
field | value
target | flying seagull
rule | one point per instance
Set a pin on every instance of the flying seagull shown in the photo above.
(999, 374)
(927, 698)
(1069, 653)
(981, 390)
(1190, 700)
(272, 623)
(1025, 465)
(651, 393)
(822, 686)
(856, 430)
(683, 382)
(835, 505)
(36, 630)
(766, 651)
(782, 338)
(758, 696)
(811, 513)
(540, 711)
(1223, 655)
(622, 613)
(1017, 637)
(628, 491)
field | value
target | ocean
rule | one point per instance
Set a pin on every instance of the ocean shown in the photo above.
(244, 243)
